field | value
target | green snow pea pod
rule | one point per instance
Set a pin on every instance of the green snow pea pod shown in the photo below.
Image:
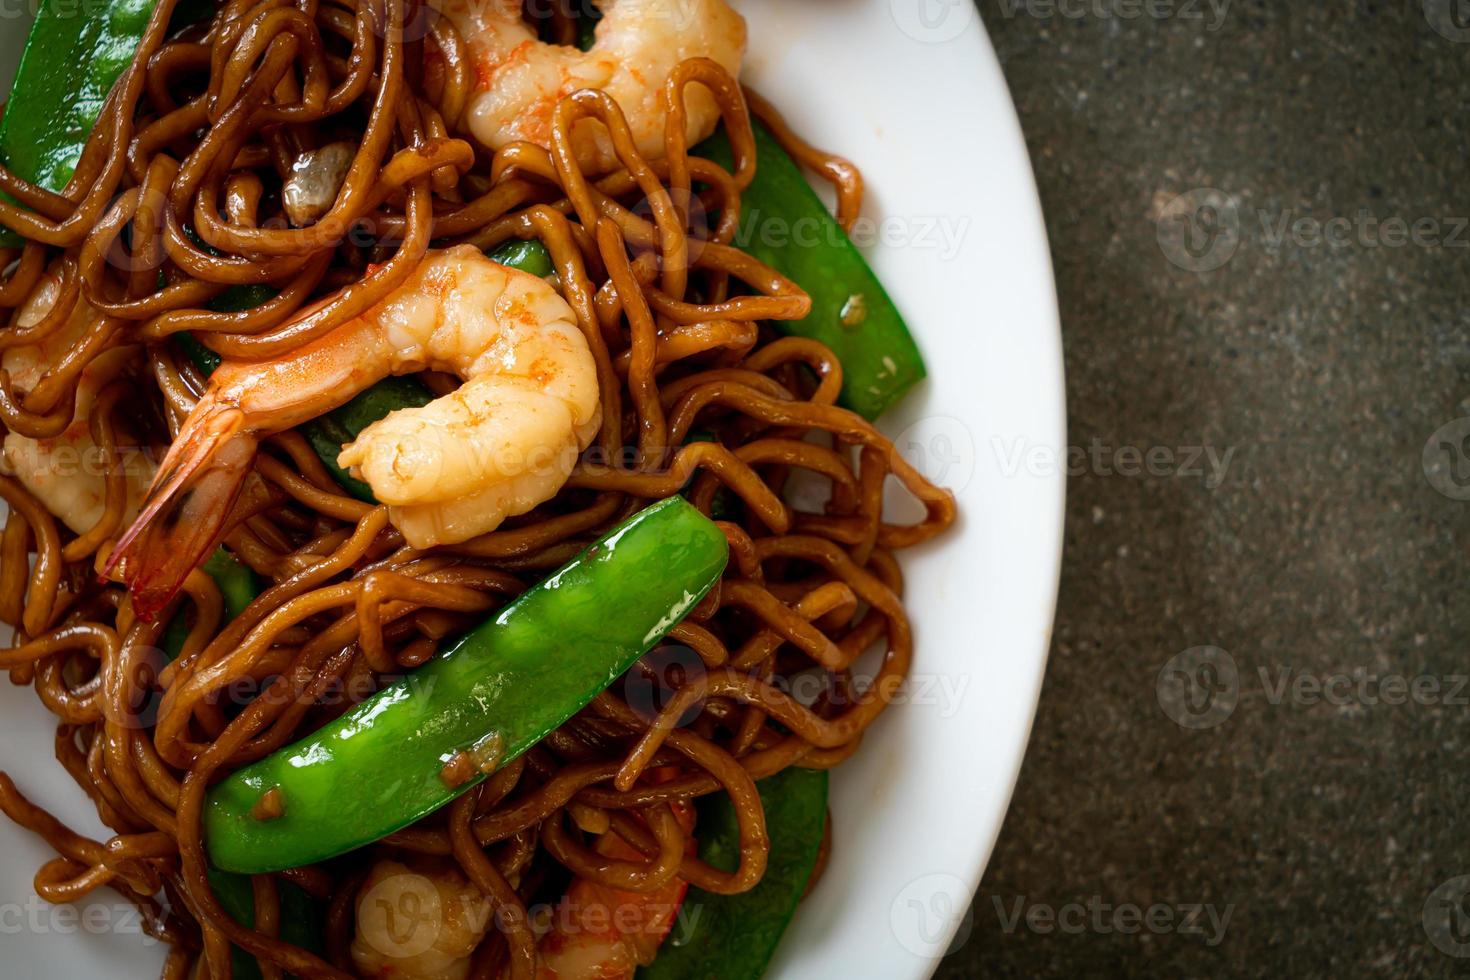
(735, 936)
(851, 312)
(493, 693)
(74, 54)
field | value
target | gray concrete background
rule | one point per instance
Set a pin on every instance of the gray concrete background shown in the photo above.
(1320, 357)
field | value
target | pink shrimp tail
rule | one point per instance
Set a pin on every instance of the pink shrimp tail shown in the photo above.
(187, 509)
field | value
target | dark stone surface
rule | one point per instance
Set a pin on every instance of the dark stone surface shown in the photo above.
(1323, 368)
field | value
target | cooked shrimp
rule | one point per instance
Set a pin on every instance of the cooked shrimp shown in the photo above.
(67, 472)
(500, 444)
(418, 923)
(519, 79)
(606, 933)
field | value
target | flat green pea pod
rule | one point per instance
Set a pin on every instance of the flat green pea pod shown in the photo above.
(735, 936)
(301, 918)
(851, 311)
(72, 58)
(74, 54)
(489, 696)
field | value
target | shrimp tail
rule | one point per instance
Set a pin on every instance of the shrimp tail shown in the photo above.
(186, 511)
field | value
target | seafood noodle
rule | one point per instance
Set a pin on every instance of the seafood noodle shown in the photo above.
(355, 321)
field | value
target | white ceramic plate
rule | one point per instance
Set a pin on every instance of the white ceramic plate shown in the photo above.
(910, 90)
